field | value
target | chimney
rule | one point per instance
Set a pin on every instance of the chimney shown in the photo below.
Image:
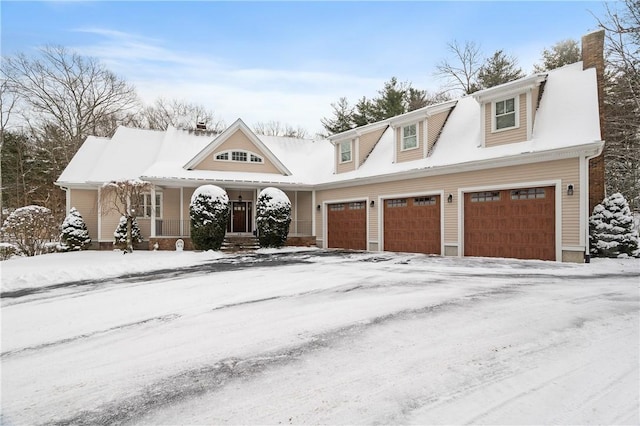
(593, 57)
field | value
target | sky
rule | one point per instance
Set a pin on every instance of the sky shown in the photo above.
(286, 61)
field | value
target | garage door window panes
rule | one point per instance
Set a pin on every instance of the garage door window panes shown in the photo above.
(479, 197)
(356, 206)
(424, 201)
(401, 202)
(336, 207)
(527, 194)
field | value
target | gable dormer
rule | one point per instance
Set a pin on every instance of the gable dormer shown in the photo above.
(237, 149)
(508, 111)
(416, 132)
(351, 148)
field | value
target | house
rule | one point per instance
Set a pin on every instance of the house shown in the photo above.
(510, 171)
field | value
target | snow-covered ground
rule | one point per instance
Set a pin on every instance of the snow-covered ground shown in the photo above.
(317, 337)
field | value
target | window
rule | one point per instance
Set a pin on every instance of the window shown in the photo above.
(356, 206)
(505, 114)
(145, 205)
(345, 151)
(240, 156)
(336, 207)
(409, 137)
(424, 201)
(485, 196)
(401, 202)
(527, 194)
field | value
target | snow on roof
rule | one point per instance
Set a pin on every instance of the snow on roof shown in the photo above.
(567, 116)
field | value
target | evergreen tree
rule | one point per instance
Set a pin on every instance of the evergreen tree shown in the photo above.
(611, 229)
(364, 113)
(392, 100)
(563, 53)
(342, 117)
(209, 213)
(75, 235)
(120, 234)
(273, 217)
(499, 69)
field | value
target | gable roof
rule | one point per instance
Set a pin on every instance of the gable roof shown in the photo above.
(238, 125)
(566, 122)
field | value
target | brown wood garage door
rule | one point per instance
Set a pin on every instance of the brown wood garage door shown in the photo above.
(517, 223)
(412, 225)
(347, 225)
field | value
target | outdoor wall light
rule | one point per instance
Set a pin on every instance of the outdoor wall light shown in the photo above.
(318, 207)
(240, 198)
(570, 189)
(372, 203)
(450, 198)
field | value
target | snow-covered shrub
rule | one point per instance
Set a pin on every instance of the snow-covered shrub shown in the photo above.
(120, 234)
(7, 250)
(209, 213)
(74, 233)
(273, 217)
(29, 228)
(611, 229)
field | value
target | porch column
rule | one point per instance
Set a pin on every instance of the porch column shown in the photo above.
(295, 212)
(153, 211)
(99, 214)
(181, 211)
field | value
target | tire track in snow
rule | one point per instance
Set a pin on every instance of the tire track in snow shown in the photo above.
(161, 319)
(210, 378)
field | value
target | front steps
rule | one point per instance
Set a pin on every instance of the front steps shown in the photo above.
(240, 243)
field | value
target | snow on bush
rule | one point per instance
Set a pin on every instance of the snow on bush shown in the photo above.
(7, 250)
(209, 213)
(29, 228)
(120, 234)
(74, 233)
(611, 229)
(273, 217)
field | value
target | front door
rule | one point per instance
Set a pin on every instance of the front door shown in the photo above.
(240, 220)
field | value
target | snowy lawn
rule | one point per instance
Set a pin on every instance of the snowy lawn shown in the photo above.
(317, 336)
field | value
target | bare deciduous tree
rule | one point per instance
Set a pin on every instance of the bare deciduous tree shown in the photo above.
(126, 198)
(276, 128)
(461, 72)
(180, 114)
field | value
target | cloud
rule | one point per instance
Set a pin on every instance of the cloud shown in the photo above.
(295, 97)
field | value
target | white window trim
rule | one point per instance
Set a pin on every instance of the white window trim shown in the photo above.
(230, 152)
(350, 142)
(516, 110)
(402, 147)
(144, 205)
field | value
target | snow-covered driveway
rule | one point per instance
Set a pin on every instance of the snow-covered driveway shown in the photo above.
(317, 337)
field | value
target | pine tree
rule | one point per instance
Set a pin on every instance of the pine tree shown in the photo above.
(75, 235)
(120, 234)
(499, 69)
(391, 101)
(611, 230)
(563, 53)
(363, 113)
(342, 117)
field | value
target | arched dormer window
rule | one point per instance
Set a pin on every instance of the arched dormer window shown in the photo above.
(239, 156)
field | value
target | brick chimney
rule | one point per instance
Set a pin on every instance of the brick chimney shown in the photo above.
(593, 57)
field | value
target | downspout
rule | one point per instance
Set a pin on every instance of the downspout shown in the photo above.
(584, 199)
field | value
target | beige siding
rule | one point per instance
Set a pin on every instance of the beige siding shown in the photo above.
(367, 142)
(434, 127)
(411, 154)
(348, 166)
(566, 170)
(237, 141)
(109, 222)
(171, 204)
(86, 202)
(518, 134)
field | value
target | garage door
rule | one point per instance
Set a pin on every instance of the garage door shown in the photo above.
(347, 225)
(412, 225)
(518, 223)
